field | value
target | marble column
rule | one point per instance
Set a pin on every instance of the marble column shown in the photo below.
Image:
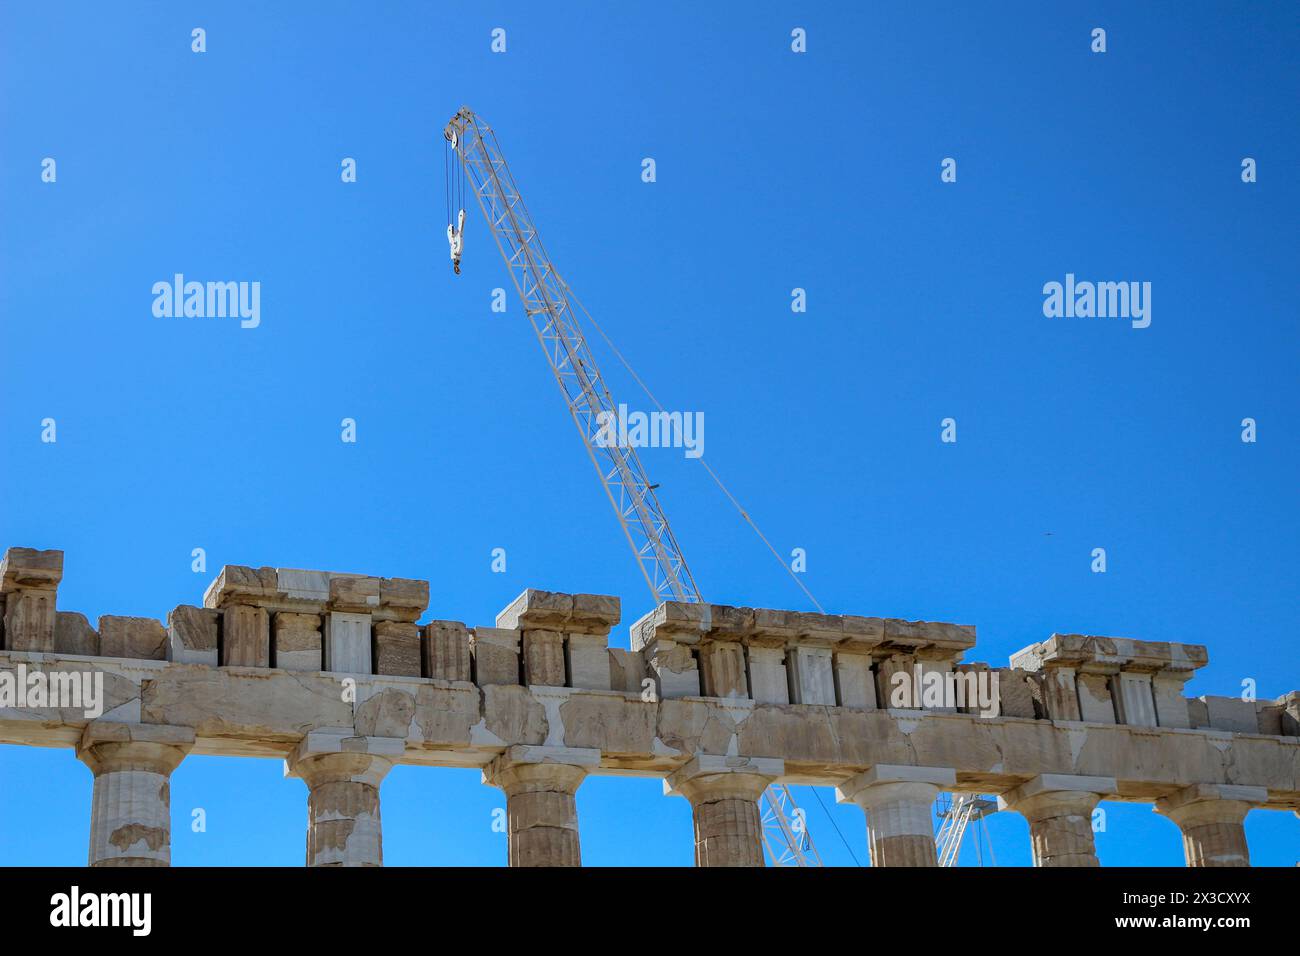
(541, 788)
(1212, 820)
(899, 804)
(1059, 810)
(724, 794)
(130, 817)
(343, 773)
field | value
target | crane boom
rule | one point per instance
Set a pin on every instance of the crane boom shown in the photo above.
(548, 305)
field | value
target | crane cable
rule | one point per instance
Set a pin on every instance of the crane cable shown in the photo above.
(712, 474)
(836, 826)
(446, 177)
(454, 177)
(732, 498)
(453, 182)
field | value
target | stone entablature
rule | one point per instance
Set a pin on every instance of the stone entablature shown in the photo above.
(785, 657)
(1113, 679)
(718, 700)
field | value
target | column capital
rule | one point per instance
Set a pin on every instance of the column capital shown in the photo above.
(523, 767)
(1057, 789)
(1211, 817)
(343, 772)
(1214, 800)
(130, 815)
(337, 756)
(1203, 804)
(724, 794)
(718, 776)
(898, 801)
(541, 787)
(110, 746)
(1058, 808)
(895, 781)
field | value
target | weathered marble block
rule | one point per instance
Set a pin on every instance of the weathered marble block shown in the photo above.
(446, 651)
(496, 655)
(1232, 714)
(855, 685)
(940, 639)
(626, 671)
(245, 636)
(356, 593)
(298, 641)
(556, 611)
(134, 637)
(1060, 687)
(674, 669)
(1290, 713)
(192, 635)
(29, 620)
(1134, 699)
(1015, 693)
(812, 676)
(402, 599)
(74, 635)
(535, 607)
(347, 643)
(587, 661)
(768, 683)
(384, 599)
(1171, 705)
(722, 669)
(397, 649)
(30, 568)
(543, 658)
(1096, 705)
(936, 673)
(890, 690)
(300, 585)
(1270, 716)
(236, 584)
(1105, 679)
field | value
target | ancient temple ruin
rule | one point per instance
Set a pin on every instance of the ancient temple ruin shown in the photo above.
(333, 674)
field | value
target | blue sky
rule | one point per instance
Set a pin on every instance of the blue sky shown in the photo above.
(774, 171)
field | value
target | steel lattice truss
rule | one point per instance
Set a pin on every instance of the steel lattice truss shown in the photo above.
(785, 833)
(546, 302)
(957, 813)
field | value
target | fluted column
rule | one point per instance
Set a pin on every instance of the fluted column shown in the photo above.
(1212, 820)
(899, 804)
(541, 788)
(130, 817)
(1059, 809)
(724, 794)
(343, 774)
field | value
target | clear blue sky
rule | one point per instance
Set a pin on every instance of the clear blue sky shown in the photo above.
(775, 171)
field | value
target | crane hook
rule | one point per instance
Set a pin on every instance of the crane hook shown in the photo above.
(456, 240)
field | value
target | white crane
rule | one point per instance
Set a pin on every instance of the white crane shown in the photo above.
(958, 813)
(549, 305)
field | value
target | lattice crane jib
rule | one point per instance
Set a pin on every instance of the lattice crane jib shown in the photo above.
(482, 170)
